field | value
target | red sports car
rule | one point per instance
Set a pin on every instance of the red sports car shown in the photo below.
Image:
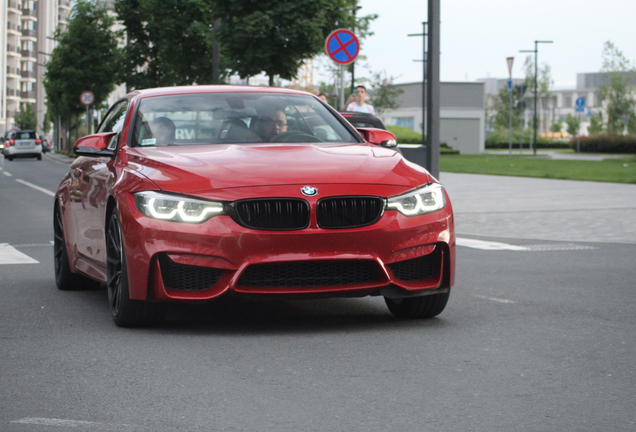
(186, 194)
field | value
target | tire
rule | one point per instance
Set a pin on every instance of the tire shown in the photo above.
(125, 312)
(418, 307)
(40, 156)
(64, 279)
(9, 158)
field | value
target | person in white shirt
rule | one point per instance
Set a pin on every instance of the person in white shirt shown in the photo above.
(356, 101)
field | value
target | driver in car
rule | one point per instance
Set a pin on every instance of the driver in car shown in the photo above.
(271, 123)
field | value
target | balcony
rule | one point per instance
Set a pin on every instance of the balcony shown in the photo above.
(12, 72)
(13, 5)
(28, 74)
(30, 13)
(27, 95)
(65, 4)
(26, 33)
(29, 54)
(13, 50)
(13, 28)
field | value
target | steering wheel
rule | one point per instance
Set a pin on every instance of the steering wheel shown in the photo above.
(295, 136)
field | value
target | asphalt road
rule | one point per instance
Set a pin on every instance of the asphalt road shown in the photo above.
(538, 334)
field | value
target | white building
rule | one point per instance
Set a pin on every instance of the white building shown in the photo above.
(462, 113)
(562, 101)
(28, 28)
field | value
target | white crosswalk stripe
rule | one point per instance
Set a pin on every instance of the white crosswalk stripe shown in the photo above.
(10, 255)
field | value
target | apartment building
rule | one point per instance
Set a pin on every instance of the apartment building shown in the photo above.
(27, 38)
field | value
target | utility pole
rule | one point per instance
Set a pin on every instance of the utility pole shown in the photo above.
(423, 34)
(433, 86)
(536, 89)
(216, 54)
(510, 61)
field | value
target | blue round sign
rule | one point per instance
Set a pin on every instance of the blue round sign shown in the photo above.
(342, 46)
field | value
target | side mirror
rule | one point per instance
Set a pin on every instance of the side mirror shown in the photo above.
(380, 137)
(94, 145)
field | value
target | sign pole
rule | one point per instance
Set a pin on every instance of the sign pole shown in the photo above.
(510, 60)
(342, 90)
(87, 98)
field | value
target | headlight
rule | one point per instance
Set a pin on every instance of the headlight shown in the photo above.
(175, 208)
(420, 201)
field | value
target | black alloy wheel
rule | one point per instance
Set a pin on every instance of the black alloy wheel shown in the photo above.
(125, 312)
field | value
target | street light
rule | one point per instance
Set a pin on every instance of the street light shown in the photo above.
(536, 63)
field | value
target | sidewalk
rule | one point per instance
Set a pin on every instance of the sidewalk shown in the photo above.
(542, 209)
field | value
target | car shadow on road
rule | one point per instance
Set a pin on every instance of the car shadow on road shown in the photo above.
(232, 315)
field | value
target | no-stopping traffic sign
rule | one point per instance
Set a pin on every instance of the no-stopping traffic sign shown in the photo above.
(342, 46)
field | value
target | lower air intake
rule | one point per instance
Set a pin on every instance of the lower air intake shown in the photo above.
(311, 273)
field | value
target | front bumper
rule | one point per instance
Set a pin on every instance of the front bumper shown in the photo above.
(397, 256)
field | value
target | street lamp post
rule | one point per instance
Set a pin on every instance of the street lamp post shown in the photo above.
(536, 89)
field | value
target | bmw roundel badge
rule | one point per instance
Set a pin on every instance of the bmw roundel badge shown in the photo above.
(309, 191)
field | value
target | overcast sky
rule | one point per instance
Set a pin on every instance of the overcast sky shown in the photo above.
(478, 35)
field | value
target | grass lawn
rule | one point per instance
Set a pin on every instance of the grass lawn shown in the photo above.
(613, 170)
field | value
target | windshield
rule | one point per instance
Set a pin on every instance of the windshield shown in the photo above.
(229, 118)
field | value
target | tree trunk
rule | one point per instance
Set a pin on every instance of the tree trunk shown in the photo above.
(271, 80)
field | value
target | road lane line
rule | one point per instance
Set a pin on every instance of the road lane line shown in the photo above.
(41, 189)
(495, 299)
(57, 422)
(488, 245)
(8, 174)
(10, 255)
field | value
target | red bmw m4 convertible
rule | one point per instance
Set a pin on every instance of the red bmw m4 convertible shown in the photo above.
(186, 194)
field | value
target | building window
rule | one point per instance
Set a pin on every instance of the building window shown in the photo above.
(407, 122)
(567, 101)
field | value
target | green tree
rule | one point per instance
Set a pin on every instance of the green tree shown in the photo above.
(616, 92)
(501, 110)
(385, 93)
(544, 84)
(574, 123)
(275, 36)
(596, 124)
(86, 58)
(26, 118)
(556, 125)
(169, 42)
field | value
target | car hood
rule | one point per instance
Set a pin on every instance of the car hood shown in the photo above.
(204, 168)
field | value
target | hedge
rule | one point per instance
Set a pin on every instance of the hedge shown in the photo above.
(409, 136)
(605, 143)
(501, 140)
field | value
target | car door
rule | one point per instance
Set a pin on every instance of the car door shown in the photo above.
(92, 178)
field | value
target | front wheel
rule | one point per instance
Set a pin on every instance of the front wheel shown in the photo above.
(418, 307)
(125, 312)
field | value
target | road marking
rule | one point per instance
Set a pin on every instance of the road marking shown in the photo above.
(8, 174)
(495, 299)
(492, 246)
(10, 255)
(31, 185)
(488, 245)
(56, 422)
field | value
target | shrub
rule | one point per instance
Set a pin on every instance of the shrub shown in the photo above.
(405, 135)
(606, 143)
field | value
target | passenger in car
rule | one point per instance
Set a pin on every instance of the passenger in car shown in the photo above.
(163, 129)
